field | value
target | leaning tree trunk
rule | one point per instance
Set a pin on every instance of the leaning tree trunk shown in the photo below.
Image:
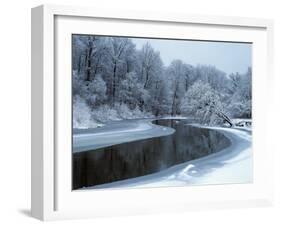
(225, 118)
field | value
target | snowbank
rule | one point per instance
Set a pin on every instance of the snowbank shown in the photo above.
(105, 113)
(174, 117)
(82, 116)
(117, 133)
(85, 118)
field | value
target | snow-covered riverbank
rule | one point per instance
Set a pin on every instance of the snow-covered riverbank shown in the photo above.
(118, 132)
(231, 165)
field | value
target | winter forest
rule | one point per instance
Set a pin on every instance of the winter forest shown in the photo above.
(146, 112)
(114, 80)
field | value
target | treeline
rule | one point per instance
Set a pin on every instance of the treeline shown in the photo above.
(109, 73)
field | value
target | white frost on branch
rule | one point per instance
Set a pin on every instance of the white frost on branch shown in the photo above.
(82, 117)
(204, 103)
(117, 81)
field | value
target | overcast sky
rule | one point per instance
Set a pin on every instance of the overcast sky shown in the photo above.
(228, 57)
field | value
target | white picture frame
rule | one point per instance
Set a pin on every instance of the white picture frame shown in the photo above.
(52, 197)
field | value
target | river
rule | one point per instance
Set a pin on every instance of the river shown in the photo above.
(147, 156)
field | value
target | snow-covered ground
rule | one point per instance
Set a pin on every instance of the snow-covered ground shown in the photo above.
(118, 132)
(231, 165)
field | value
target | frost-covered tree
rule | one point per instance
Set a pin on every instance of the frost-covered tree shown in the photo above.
(131, 92)
(88, 54)
(150, 70)
(115, 80)
(216, 78)
(189, 76)
(240, 104)
(119, 52)
(202, 102)
(150, 65)
(176, 74)
(159, 96)
(82, 114)
(96, 91)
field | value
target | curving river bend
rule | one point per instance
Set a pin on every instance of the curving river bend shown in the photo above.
(142, 157)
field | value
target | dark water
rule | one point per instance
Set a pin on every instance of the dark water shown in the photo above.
(138, 158)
